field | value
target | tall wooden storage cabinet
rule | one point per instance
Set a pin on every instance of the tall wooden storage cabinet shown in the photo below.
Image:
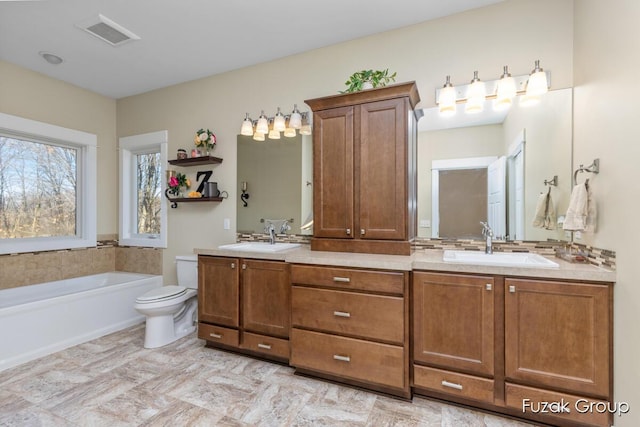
(364, 161)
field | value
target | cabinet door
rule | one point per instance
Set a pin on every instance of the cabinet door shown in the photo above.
(333, 173)
(454, 321)
(218, 286)
(382, 184)
(266, 297)
(558, 335)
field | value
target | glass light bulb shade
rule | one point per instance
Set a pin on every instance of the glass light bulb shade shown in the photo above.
(289, 132)
(278, 122)
(527, 100)
(447, 100)
(263, 125)
(257, 136)
(295, 121)
(274, 134)
(475, 97)
(537, 84)
(305, 129)
(506, 88)
(247, 128)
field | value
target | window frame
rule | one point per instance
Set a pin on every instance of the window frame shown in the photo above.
(130, 146)
(86, 160)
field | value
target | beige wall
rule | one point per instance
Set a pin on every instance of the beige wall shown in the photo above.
(606, 114)
(427, 52)
(35, 96)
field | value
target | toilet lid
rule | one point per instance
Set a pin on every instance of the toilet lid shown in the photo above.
(162, 293)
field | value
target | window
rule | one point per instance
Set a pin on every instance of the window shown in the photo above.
(47, 186)
(143, 209)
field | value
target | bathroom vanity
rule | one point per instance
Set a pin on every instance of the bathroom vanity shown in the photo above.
(491, 337)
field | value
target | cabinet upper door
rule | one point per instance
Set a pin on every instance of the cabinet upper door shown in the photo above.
(454, 321)
(218, 290)
(266, 297)
(333, 172)
(382, 175)
(558, 335)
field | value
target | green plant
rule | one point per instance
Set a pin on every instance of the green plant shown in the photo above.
(377, 78)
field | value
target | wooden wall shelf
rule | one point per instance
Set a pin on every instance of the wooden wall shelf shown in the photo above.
(196, 161)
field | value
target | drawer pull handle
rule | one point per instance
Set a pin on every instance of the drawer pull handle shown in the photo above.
(265, 346)
(342, 358)
(341, 314)
(233, 265)
(214, 335)
(488, 286)
(341, 279)
(348, 231)
(451, 385)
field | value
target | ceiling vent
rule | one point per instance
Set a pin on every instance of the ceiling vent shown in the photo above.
(107, 30)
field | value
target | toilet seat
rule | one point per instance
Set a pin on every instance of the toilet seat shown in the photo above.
(162, 293)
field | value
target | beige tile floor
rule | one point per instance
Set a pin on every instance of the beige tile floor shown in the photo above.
(113, 381)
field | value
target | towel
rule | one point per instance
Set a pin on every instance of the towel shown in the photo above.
(581, 214)
(545, 216)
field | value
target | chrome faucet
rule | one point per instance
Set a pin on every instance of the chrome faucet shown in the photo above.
(487, 232)
(272, 233)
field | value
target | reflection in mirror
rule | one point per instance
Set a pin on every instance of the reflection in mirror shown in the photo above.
(276, 174)
(519, 150)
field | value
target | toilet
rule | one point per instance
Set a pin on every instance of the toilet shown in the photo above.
(171, 310)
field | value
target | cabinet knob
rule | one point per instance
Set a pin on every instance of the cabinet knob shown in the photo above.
(488, 286)
(244, 266)
(233, 265)
(362, 231)
(512, 289)
(348, 230)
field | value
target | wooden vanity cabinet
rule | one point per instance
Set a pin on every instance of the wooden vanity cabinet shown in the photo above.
(364, 150)
(351, 325)
(494, 342)
(245, 304)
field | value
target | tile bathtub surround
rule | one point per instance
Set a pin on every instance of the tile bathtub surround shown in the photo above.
(113, 380)
(32, 268)
(138, 260)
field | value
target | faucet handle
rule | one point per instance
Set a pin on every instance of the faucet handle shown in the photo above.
(486, 229)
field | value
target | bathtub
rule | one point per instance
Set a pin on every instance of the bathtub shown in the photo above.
(41, 319)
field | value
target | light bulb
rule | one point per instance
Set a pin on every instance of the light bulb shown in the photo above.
(295, 121)
(278, 122)
(537, 84)
(506, 91)
(263, 124)
(247, 126)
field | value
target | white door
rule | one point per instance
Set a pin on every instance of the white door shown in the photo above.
(497, 198)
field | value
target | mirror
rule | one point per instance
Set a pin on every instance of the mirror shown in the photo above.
(278, 177)
(519, 150)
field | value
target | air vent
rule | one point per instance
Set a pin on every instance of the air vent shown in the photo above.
(107, 30)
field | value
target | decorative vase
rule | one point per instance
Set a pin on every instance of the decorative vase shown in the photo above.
(204, 151)
(367, 85)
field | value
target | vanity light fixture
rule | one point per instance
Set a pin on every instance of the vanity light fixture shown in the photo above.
(501, 91)
(273, 127)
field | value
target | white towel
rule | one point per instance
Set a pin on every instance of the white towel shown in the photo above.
(545, 216)
(581, 214)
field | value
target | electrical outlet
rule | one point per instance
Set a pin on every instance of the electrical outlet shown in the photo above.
(227, 224)
(425, 223)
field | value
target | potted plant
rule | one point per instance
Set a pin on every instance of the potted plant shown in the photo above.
(368, 79)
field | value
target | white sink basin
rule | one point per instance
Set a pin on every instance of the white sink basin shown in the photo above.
(502, 259)
(259, 246)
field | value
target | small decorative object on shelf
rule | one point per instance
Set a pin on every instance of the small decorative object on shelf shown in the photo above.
(182, 154)
(205, 140)
(176, 184)
(368, 79)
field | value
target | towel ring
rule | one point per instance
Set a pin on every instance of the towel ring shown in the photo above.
(593, 168)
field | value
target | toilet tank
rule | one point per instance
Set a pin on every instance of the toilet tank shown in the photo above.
(187, 267)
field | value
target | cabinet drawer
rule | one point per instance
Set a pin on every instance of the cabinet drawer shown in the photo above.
(364, 361)
(217, 334)
(376, 317)
(528, 400)
(462, 385)
(266, 345)
(345, 278)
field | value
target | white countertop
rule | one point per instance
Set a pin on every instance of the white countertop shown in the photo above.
(421, 259)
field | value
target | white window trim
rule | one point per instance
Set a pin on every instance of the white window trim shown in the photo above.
(129, 147)
(86, 143)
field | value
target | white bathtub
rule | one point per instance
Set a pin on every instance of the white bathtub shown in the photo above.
(41, 319)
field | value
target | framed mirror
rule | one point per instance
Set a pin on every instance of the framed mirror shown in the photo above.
(495, 168)
(277, 177)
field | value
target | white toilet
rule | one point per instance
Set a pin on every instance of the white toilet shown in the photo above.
(171, 310)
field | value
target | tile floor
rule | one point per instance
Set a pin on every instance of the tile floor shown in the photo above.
(113, 381)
